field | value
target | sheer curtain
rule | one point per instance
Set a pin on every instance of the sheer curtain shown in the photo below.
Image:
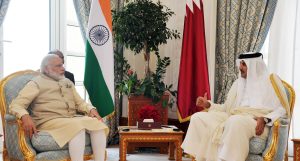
(284, 53)
(3, 9)
(82, 8)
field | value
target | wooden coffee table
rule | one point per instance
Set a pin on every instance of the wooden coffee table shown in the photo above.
(167, 135)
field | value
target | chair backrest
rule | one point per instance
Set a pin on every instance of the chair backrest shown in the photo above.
(11, 85)
(291, 98)
(290, 95)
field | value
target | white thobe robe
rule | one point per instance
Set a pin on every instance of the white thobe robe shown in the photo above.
(233, 145)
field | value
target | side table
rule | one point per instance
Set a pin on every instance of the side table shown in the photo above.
(296, 149)
(165, 135)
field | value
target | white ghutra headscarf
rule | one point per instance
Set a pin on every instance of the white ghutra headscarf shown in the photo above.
(256, 90)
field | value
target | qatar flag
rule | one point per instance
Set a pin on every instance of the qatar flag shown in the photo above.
(193, 78)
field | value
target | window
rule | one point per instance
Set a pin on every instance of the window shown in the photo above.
(29, 32)
(74, 41)
(265, 49)
(25, 35)
(76, 66)
(284, 51)
(74, 49)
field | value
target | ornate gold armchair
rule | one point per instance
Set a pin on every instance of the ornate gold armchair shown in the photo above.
(16, 145)
(275, 147)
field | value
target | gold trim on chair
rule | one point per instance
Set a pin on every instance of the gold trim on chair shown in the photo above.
(3, 107)
(28, 154)
(292, 95)
(273, 148)
(2, 84)
(279, 92)
(292, 98)
(287, 104)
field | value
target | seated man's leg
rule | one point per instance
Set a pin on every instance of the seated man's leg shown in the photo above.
(98, 139)
(76, 146)
(235, 139)
(198, 137)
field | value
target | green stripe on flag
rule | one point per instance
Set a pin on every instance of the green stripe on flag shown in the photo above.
(95, 84)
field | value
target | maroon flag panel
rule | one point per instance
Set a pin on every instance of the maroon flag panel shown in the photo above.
(193, 73)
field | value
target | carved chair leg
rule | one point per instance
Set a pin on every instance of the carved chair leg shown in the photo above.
(5, 155)
(286, 156)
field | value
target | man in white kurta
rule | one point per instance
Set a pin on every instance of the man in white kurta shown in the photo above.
(223, 133)
(54, 107)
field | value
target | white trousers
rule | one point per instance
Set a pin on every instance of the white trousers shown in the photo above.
(77, 145)
(234, 144)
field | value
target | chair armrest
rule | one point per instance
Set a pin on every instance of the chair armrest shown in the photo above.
(277, 141)
(10, 118)
(17, 144)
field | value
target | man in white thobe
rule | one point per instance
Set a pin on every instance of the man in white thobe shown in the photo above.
(223, 133)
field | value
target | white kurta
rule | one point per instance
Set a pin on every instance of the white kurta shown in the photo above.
(232, 144)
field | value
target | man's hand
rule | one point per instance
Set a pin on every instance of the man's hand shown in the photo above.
(260, 126)
(202, 101)
(94, 113)
(28, 125)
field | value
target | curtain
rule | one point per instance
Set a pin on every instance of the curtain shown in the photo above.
(242, 26)
(210, 21)
(284, 53)
(82, 8)
(3, 9)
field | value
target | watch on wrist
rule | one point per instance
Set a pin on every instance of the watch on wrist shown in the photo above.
(267, 120)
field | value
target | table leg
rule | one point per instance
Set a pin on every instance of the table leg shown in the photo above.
(171, 151)
(131, 148)
(178, 151)
(122, 150)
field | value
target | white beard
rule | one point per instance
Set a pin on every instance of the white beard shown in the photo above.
(55, 76)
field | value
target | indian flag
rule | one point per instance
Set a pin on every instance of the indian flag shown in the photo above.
(99, 60)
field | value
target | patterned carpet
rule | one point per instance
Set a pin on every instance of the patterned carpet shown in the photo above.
(113, 155)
